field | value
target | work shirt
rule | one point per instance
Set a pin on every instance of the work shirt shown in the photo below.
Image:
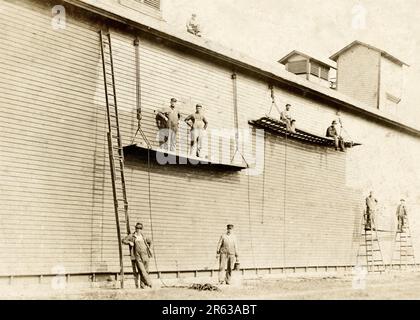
(228, 244)
(401, 210)
(193, 26)
(142, 245)
(285, 115)
(371, 203)
(332, 132)
(173, 116)
(198, 120)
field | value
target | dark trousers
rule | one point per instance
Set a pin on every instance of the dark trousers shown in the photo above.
(141, 272)
(401, 223)
(339, 143)
(368, 219)
(226, 261)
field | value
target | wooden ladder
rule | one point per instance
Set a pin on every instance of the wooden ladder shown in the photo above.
(403, 253)
(115, 147)
(369, 253)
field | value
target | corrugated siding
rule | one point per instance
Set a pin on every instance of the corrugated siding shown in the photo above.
(55, 192)
(180, 211)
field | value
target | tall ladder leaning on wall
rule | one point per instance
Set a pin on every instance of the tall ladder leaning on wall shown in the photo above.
(115, 147)
(369, 253)
(403, 251)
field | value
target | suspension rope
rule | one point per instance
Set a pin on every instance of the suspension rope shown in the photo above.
(263, 182)
(250, 222)
(236, 119)
(149, 147)
(149, 182)
(273, 101)
(284, 200)
(344, 129)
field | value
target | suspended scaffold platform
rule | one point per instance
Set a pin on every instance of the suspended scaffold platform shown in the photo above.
(166, 157)
(279, 128)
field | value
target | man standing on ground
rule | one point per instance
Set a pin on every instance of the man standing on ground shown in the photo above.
(371, 204)
(140, 254)
(338, 140)
(171, 117)
(198, 123)
(401, 215)
(227, 248)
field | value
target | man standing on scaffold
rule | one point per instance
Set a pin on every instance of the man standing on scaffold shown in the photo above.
(371, 204)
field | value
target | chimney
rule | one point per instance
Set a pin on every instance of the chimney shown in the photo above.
(370, 75)
(320, 71)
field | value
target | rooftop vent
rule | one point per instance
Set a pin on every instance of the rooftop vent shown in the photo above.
(310, 68)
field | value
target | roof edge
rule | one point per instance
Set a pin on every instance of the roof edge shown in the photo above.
(335, 56)
(270, 71)
(323, 62)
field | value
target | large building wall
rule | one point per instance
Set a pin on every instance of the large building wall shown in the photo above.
(56, 202)
(358, 74)
(391, 83)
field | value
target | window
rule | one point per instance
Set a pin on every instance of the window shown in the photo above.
(297, 67)
(315, 69)
(319, 71)
(153, 3)
(393, 98)
(134, 4)
(324, 73)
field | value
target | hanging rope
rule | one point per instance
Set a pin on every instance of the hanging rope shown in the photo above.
(250, 222)
(149, 147)
(236, 120)
(149, 188)
(273, 101)
(138, 96)
(263, 182)
(344, 129)
(284, 200)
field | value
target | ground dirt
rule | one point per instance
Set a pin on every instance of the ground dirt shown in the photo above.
(398, 285)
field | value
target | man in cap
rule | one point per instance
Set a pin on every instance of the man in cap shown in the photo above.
(338, 140)
(227, 248)
(286, 117)
(140, 253)
(198, 123)
(193, 26)
(371, 204)
(168, 127)
(401, 215)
